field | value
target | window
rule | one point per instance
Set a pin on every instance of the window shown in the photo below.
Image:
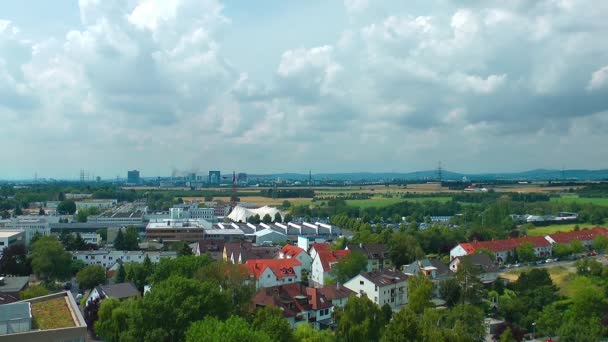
(360, 282)
(1, 243)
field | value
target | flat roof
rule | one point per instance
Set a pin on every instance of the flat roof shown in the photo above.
(14, 284)
(14, 311)
(5, 233)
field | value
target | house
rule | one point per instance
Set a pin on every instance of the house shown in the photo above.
(240, 252)
(274, 272)
(54, 317)
(488, 271)
(338, 294)
(10, 288)
(213, 247)
(322, 264)
(119, 291)
(318, 246)
(295, 252)
(503, 249)
(107, 258)
(299, 304)
(377, 255)
(433, 269)
(381, 287)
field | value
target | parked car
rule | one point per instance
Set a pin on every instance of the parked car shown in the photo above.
(67, 286)
(540, 262)
(592, 254)
(517, 265)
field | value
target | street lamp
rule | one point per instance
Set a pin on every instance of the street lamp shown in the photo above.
(533, 328)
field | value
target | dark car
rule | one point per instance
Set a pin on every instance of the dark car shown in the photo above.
(67, 286)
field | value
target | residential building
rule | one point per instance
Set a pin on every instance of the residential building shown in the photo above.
(503, 249)
(295, 252)
(299, 304)
(274, 272)
(318, 246)
(381, 287)
(10, 288)
(133, 177)
(377, 255)
(96, 203)
(107, 258)
(488, 271)
(322, 265)
(433, 269)
(9, 237)
(57, 318)
(585, 236)
(212, 247)
(240, 252)
(305, 242)
(120, 291)
(90, 238)
(338, 294)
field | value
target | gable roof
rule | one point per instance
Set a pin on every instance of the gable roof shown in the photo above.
(337, 291)
(327, 257)
(480, 260)
(280, 267)
(246, 250)
(505, 245)
(371, 250)
(119, 291)
(291, 299)
(383, 278)
(320, 246)
(415, 267)
(581, 235)
(291, 250)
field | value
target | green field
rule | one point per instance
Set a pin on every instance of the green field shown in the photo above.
(379, 202)
(582, 200)
(556, 228)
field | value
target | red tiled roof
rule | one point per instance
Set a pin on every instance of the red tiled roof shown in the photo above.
(291, 299)
(280, 267)
(497, 246)
(328, 257)
(337, 291)
(291, 251)
(581, 235)
(320, 246)
(316, 299)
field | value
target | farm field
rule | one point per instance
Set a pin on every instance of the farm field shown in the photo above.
(561, 276)
(379, 202)
(556, 228)
(256, 199)
(581, 200)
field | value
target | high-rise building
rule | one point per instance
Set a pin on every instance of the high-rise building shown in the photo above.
(133, 177)
(215, 177)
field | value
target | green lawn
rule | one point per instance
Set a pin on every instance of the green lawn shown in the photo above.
(577, 199)
(556, 228)
(380, 201)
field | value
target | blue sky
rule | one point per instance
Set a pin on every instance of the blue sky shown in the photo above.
(288, 86)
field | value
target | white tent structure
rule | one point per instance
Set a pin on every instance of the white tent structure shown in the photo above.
(241, 214)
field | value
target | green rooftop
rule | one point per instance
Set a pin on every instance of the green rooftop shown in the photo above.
(52, 314)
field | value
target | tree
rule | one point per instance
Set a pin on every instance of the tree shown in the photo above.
(120, 274)
(600, 243)
(231, 279)
(41, 212)
(361, 320)
(467, 322)
(288, 218)
(305, 333)
(91, 312)
(186, 266)
(235, 329)
(131, 239)
(82, 215)
(420, 290)
(14, 261)
(270, 321)
(403, 328)
(525, 252)
(135, 273)
(487, 252)
(112, 319)
(577, 246)
(507, 336)
(403, 249)
(286, 204)
(66, 207)
(91, 276)
(104, 233)
(387, 311)
(267, 219)
(119, 240)
(33, 292)
(449, 291)
(17, 210)
(277, 218)
(49, 260)
(182, 248)
(561, 250)
(467, 277)
(349, 266)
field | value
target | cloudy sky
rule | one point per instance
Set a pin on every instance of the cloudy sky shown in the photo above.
(287, 86)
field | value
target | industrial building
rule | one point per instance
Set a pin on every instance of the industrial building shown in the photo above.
(133, 177)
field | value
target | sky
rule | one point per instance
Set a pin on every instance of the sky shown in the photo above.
(271, 86)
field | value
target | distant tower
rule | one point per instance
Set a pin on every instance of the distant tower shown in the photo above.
(439, 172)
(81, 176)
(563, 172)
(309, 177)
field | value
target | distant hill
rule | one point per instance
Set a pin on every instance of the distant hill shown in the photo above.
(531, 175)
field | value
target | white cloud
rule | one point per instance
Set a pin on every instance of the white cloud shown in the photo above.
(599, 79)
(354, 6)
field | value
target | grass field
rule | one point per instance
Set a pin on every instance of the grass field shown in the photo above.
(556, 228)
(52, 314)
(561, 276)
(256, 199)
(576, 199)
